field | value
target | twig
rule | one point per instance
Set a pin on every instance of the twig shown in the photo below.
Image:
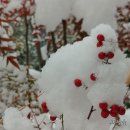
(38, 126)
(62, 119)
(106, 61)
(41, 121)
(91, 111)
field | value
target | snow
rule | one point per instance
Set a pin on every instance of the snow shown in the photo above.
(14, 4)
(10, 29)
(36, 74)
(66, 73)
(79, 61)
(94, 12)
(51, 12)
(44, 52)
(2, 31)
(13, 120)
(124, 122)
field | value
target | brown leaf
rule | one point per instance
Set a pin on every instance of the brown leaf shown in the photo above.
(6, 39)
(8, 20)
(11, 59)
(3, 49)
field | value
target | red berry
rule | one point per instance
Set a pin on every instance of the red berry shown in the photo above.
(115, 108)
(101, 55)
(110, 55)
(122, 110)
(44, 107)
(99, 44)
(113, 113)
(100, 38)
(78, 82)
(105, 113)
(53, 118)
(103, 105)
(93, 77)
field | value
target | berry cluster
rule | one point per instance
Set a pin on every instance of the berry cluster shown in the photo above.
(114, 110)
(46, 110)
(100, 39)
(103, 55)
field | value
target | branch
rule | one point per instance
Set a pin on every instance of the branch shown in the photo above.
(64, 31)
(6, 39)
(53, 41)
(8, 20)
(62, 118)
(27, 46)
(41, 60)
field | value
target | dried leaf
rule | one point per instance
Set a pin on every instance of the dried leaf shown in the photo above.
(11, 59)
(6, 39)
(8, 20)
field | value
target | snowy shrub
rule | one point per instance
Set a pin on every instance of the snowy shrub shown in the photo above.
(89, 73)
(82, 86)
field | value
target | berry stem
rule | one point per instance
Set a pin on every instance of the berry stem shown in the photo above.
(62, 121)
(85, 86)
(106, 61)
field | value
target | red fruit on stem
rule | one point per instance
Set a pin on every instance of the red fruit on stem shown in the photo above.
(53, 118)
(101, 55)
(99, 44)
(105, 113)
(122, 110)
(100, 37)
(113, 113)
(115, 108)
(93, 77)
(110, 55)
(78, 82)
(44, 107)
(103, 105)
